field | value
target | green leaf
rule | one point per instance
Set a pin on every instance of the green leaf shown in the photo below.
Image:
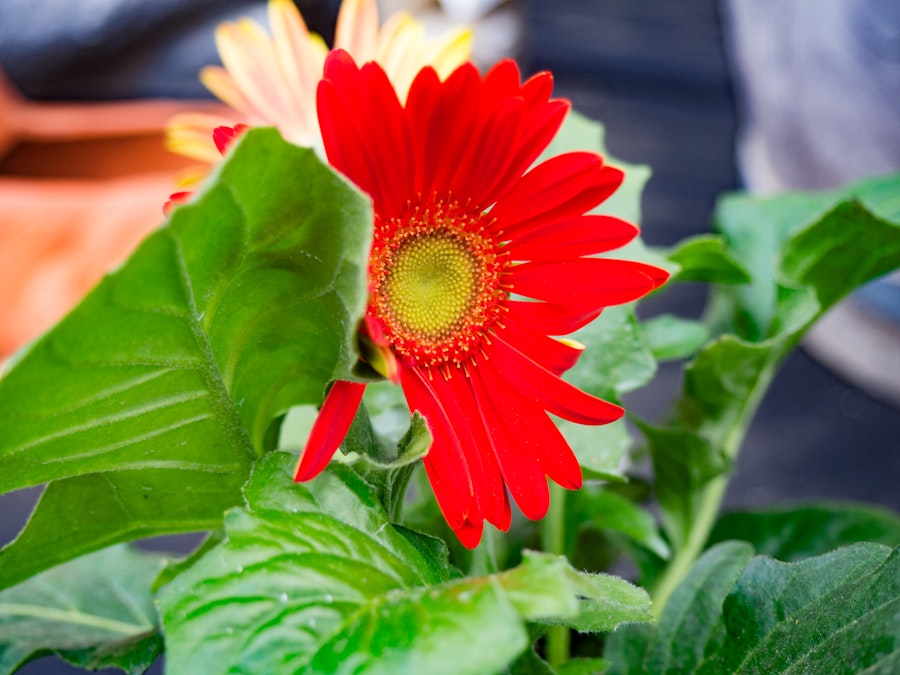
(705, 258)
(174, 567)
(155, 394)
(605, 602)
(689, 620)
(626, 648)
(95, 612)
(313, 578)
(615, 361)
(529, 663)
(817, 256)
(595, 507)
(385, 465)
(683, 463)
(583, 667)
(670, 337)
(834, 613)
(76, 516)
(853, 228)
(797, 532)
(600, 450)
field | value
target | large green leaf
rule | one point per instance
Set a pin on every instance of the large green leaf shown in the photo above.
(802, 531)
(313, 578)
(95, 612)
(836, 613)
(689, 619)
(156, 393)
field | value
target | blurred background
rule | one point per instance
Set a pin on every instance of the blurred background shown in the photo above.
(765, 95)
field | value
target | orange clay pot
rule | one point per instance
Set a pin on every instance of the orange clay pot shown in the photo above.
(80, 185)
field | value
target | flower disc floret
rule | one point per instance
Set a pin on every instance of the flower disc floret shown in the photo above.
(435, 283)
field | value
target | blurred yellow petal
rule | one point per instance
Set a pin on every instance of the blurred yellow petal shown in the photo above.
(357, 29)
(192, 177)
(319, 44)
(190, 134)
(219, 82)
(447, 53)
(301, 58)
(272, 79)
(251, 69)
(400, 51)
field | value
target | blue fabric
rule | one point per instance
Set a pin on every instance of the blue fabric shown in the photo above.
(123, 49)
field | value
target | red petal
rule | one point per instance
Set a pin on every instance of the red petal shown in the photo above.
(489, 154)
(553, 394)
(469, 533)
(452, 128)
(384, 125)
(538, 436)
(526, 481)
(448, 472)
(536, 91)
(176, 199)
(330, 428)
(551, 318)
(223, 137)
(423, 105)
(538, 129)
(591, 282)
(562, 187)
(583, 235)
(493, 498)
(345, 146)
(555, 356)
(467, 530)
(502, 81)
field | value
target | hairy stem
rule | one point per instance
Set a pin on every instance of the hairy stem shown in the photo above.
(553, 536)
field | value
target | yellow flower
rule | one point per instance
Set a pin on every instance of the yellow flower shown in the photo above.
(272, 80)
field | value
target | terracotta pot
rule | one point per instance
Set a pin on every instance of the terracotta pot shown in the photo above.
(80, 185)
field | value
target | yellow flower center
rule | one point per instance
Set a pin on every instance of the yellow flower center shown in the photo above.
(435, 283)
(432, 283)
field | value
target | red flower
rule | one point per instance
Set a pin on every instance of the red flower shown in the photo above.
(476, 261)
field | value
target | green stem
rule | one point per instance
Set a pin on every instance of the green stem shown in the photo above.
(683, 560)
(553, 536)
(709, 499)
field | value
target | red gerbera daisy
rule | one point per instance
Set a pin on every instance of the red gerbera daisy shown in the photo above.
(476, 261)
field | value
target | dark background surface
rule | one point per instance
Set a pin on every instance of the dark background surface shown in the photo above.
(656, 75)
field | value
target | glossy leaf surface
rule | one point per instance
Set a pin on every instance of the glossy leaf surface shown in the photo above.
(156, 393)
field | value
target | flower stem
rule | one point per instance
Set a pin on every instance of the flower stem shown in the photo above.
(709, 502)
(553, 538)
(709, 497)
